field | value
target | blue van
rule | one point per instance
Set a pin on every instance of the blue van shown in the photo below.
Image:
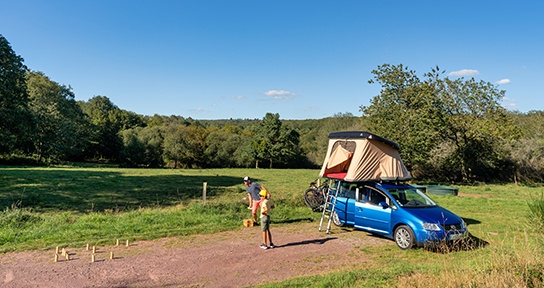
(397, 211)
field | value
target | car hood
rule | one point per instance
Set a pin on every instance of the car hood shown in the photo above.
(436, 214)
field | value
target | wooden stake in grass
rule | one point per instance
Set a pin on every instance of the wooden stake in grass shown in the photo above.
(111, 255)
(126, 244)
(67, 257)
(92, 258)
(94, 249)
(87, 247)
(204, 188)
(63, 252)
(57, 250)
(56, 258)
(117, 243)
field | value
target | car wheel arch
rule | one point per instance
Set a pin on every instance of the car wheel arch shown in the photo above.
(411, 226)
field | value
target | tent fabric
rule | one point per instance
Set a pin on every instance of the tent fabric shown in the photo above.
(373, 158)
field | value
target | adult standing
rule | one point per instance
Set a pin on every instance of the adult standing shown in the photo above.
(253, 189)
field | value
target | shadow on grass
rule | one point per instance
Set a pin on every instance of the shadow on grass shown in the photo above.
(91, 190)
(286, 221)
(308, 242)
(470, 221)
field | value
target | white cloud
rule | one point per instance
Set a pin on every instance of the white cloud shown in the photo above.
(503, 81)
(237, 97)
(280, 94)
(464, 72)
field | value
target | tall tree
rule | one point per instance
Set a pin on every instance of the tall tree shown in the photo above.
(274, 142)
(221, 146)
(467, 113)
(60, 124)
(442, 124)
(105, 142)
(185, 145)
(266, 137)
(15, 117)
(399, 113)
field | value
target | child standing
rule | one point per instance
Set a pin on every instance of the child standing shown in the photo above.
(266, 206)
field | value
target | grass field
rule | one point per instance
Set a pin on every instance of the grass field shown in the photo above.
(46, 207)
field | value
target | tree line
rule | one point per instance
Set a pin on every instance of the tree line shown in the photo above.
(448, 129)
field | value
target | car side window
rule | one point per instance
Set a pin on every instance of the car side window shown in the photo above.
(375, 197)
(351, 191)
(363, 194)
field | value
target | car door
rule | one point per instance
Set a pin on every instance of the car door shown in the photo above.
(369, 214)
(345, 202)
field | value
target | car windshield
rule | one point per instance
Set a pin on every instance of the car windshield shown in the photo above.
(411, 197)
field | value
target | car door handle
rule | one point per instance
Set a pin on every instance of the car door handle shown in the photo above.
(359, 209)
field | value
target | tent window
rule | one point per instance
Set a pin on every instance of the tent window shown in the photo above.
(346, 144)
(340, 157)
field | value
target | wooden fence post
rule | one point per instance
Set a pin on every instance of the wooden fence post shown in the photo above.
(204, 186)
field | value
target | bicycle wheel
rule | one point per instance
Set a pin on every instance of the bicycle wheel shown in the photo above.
(321, 195)
(312, 198)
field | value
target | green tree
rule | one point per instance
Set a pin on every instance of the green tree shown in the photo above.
(107, 121)
(221, 148)
(288, 151)
(275, 143)
(467, 113)
(185, 145)
(195, 145)
(133, 152)
(16, 123)
(105, 143)
(173, 146)
(528, 151)
(152, 137)
(442, 124)
(266, 138)
(399, 113)
(61, 127)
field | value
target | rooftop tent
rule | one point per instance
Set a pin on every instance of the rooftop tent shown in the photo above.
(360, 156)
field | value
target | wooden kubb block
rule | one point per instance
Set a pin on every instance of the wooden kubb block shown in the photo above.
(248, 223)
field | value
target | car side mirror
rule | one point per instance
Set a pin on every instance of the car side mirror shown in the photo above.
(384, 205)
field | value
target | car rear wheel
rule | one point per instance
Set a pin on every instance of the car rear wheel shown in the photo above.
(404, 237)
(336, 220)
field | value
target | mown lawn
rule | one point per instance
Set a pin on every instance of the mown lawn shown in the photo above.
(46, 207)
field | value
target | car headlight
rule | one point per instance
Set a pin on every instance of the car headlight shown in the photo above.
(431, 226)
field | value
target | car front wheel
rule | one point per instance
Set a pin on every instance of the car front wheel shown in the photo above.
(404, 237)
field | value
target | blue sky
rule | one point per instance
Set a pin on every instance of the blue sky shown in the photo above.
(302, 59)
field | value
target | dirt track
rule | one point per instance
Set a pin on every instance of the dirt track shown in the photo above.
(226, 259)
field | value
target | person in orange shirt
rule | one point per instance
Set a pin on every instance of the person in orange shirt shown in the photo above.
(253, 189)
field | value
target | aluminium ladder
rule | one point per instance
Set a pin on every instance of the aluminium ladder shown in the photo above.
(328, 207)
